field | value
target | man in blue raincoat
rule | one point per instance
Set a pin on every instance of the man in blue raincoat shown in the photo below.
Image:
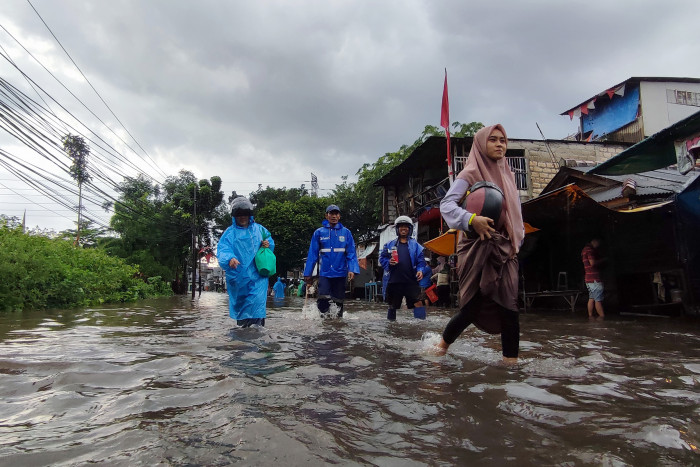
(404, 264)
(278, 288)
(247, 289)
(333, 248)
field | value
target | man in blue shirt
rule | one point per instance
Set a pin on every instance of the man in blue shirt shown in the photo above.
(403, 261)
(333, 248)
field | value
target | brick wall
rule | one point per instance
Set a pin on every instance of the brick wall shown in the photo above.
(542, 167)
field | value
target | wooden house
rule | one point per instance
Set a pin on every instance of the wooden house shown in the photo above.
(645, 211)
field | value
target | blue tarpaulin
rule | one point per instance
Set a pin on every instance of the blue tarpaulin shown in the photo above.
(612, 116)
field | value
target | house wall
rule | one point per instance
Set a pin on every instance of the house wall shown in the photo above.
(659, 104)
(541, 167)
(390, 211)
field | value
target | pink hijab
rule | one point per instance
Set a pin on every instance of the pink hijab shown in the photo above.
(480, 167)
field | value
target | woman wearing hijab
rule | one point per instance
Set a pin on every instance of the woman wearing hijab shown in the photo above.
(487, 261)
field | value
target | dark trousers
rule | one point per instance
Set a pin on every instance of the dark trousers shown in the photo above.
(331, 288)
(443, 293)
(510, 326)
(396, 291)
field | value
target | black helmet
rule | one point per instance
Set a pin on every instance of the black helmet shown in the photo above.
(241, 207)
(486, 199)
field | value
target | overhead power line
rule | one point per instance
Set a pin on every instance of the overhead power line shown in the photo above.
(93, 88)
(69, 91)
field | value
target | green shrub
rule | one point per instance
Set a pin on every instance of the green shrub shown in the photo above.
(39, 272)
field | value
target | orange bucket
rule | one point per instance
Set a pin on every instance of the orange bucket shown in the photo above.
(432, 295)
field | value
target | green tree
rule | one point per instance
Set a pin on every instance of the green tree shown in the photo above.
(78, 151)
(362, 201)
(357, 211)
(10, 222)
(291, 224)
(262, 197)
(156, 224)
(88, 235)
(147, 235)
(466, 129)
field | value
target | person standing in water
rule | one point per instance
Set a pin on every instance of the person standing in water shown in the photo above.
(333, 248)
(591, 264)
(403, 261)
(278, 289)
(247, 289)
(487, 262)
(442, 280)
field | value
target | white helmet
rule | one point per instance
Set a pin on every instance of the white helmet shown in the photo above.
(404, 220)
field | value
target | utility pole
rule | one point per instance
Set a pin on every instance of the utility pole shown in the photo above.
(194, 249)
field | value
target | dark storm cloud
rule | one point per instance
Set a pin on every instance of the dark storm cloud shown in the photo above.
(268, 91)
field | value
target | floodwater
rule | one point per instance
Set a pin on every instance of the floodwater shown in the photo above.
(174, 382)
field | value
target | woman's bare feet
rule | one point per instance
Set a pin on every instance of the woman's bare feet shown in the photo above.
(441, 348)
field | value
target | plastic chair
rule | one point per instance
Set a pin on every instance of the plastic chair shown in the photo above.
(562, 281)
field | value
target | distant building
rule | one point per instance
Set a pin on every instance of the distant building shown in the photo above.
(636, 108)
(645, 211)
(415, 187)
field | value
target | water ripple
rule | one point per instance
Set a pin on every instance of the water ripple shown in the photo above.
(175, 382)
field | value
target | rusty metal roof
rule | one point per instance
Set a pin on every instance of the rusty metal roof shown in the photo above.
(664, 182)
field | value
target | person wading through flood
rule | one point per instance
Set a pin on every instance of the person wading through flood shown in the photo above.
(487, 262)
(404, 263)
(247, 289)
(333, 248)
(278, 289)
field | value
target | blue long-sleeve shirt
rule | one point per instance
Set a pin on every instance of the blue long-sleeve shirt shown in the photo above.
(334, 249)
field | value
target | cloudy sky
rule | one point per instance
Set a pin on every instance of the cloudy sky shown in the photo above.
(267, 92)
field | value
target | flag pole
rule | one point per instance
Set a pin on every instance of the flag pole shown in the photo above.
(445, 123)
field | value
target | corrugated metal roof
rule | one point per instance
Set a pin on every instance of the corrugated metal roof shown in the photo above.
(655, 152)
(659, 182)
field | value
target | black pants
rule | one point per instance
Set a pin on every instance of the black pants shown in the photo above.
(510, 326)
(331, 288)
(396, 291)
(443, 293)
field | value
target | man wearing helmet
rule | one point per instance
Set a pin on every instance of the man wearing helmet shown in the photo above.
(333, 248)
(403, 261)
(247, 289)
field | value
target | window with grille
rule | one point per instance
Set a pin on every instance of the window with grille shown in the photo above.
(674, 96)
(518, 165)
(516, 160)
